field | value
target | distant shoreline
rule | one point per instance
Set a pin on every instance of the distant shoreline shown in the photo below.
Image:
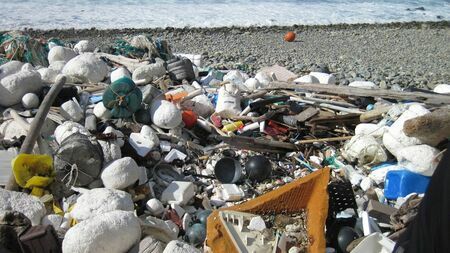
(407, 54)
(411, 24)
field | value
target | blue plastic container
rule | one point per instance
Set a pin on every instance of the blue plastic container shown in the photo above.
(400, 183)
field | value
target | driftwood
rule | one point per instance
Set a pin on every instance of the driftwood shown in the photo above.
(36, 125)
(430, 128)
(374, 114)
(130, 64)
(331, 139)
(428, 98)
(262, 145)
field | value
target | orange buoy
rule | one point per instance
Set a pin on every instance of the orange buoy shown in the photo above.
(289, 36)
(189, 118)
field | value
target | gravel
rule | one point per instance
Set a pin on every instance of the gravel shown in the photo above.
(404, 54)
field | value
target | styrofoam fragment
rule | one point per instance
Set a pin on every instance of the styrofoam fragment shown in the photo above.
(178, 192)
(232, 192)
(421, 159)
(257, 224)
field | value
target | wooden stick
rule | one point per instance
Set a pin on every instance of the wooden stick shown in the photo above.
(428, 98)
(331, 139)
(374, 114)
(36, 125)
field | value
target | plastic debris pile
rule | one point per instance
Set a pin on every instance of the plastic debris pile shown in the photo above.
(144, 150)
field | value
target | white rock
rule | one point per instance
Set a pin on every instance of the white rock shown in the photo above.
(263, 78)
(10, 68)
(164, 231)
(67, 129)
(30, 206)
(48, 75)
(13, 87)
(421, 159)
(113, 232)
(252, 84)
(307, 79)
(84, 46)
(164, 114)
(119, 73)
(363, 84)
(370, 129)
(176, 246)
(30, 101)
(120, 174)
(324, 78)
(100, 201)
(57, 66)
(71, 110)
(149, 72)
(155, 207)
(257, 224)
(178, 192)
(60, 53)
(231, 192)
(144, 141)
(442, 88)
(54, 220)
(86, 68)
(101, 112)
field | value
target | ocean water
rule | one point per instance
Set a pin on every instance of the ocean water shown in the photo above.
(50, 14)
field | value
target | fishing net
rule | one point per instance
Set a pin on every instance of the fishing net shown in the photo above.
(18, 46)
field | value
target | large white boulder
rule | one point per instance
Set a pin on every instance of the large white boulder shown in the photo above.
(10, 68)
(60, 53)
(442, 88)
(14, 86)
(113, 232)
(149, 72)
(164, 114)
(324, 78)
(84, 46)
(421, 159)
(176, 246)
(30, 206)
(120, 174)
(100, 201)
(86, 68)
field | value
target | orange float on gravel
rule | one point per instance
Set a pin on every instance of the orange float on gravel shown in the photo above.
(289, 36)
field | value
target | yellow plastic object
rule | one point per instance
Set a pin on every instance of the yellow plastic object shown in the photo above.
(233, 126)
(33, 171)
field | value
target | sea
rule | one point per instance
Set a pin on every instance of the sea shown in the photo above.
(103, 14)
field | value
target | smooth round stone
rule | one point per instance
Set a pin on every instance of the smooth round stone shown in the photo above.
(30, 101)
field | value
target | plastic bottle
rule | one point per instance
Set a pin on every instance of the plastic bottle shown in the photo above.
(233, 126)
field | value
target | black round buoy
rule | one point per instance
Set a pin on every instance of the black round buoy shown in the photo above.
(228, 170)
(346, 235)
(258, 168)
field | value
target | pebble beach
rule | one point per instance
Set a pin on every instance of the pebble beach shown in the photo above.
(414, 54)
